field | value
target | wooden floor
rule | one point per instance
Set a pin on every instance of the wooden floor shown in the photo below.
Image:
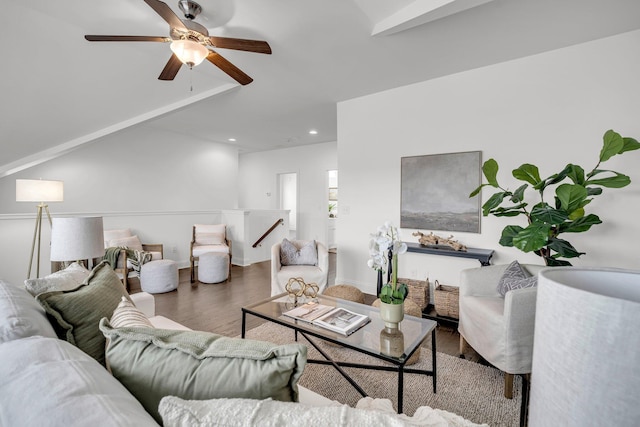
(217, 307)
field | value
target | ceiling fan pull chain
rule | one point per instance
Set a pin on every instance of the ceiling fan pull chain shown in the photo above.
(191, 78)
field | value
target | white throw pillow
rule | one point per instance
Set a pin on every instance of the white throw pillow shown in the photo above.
(132, 242)
(210, 238)
(115, 234)
(63, 280)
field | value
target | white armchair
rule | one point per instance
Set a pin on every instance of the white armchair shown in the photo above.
(500, 329)
(208, 238)
(124, 237)
(280, 274)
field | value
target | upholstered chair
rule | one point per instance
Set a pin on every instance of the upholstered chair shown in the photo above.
(208, 238)
(499, 328)
(299, 263)
(124, 237)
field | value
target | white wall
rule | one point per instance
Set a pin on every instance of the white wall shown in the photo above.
(258, 183)
(154, 182)
(549, 109)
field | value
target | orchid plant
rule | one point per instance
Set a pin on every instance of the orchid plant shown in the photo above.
(387, 238)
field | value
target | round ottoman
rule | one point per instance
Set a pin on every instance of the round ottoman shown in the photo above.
(159, 276)
(348, 292)
(412, 309)
(213, 267)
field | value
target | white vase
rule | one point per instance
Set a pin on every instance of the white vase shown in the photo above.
(391, 314)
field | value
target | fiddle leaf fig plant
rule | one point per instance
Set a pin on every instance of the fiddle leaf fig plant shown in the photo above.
(548, 218)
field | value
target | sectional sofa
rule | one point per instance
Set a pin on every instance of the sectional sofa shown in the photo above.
(155, 372)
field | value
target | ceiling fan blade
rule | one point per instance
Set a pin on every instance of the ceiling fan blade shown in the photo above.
(93, 38)
(171, 69)
(166, 13)
(236, 73)
(257, 46)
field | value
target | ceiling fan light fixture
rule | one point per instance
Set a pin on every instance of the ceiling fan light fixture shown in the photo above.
(189, 52)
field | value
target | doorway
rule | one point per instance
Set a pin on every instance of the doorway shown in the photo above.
(288, 199)
(332, 192)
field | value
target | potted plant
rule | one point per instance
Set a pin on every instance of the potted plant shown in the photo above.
(546, 219)
(386, 245)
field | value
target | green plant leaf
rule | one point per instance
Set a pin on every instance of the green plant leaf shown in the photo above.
(580, 225)
(563, 248)
(613, 144)
(542, 212)
(617, 181)
(576, 174)
(509, 211)
(529, 173)
(571, 196)
(552, 262)
(630, 144)
(490, 171)
(578, 213)
(477, 190)
(532, 238)
(493, 202)
(508, 233)
(594, 191)
(518, 195)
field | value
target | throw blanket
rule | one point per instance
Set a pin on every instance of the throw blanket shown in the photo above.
(136, 257)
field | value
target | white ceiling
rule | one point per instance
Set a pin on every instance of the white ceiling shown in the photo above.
(59, 91)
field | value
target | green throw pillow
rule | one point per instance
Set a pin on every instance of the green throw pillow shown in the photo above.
(154, 363)
(77, 313)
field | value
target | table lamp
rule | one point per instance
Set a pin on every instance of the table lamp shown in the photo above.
(77, 239)
(585, 369)
(43, 192)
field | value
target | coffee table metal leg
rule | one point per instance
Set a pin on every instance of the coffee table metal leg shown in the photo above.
(433, 357)
(244, 322)
(400, 387)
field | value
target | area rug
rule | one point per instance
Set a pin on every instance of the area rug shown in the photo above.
(466, 388)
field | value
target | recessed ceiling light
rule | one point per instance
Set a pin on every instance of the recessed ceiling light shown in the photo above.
(232, 140)
(313, 132)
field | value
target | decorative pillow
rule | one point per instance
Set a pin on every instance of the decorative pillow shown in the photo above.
(49, 382)
(20, 315)
(127, 315)
(210, 238)
(291, 255)
(515, 277)
(63, 280)
(77, 313)
(115, 234)
(153, 363)
(131, 242)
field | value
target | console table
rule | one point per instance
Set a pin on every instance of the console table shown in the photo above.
(482, 255)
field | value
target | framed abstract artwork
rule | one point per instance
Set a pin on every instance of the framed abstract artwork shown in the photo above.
(435, 192)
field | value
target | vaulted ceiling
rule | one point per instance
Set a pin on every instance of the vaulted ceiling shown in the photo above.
(59, 91)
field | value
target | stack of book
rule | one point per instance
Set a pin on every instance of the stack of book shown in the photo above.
(336, 319)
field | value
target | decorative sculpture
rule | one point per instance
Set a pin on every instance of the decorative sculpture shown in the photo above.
(436, 241)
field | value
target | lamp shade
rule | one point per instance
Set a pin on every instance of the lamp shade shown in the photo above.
(585, 369)
(189, 52)
(75, 239)
(38, 190)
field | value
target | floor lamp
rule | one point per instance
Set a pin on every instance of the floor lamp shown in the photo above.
(43, 192)
(77, 239)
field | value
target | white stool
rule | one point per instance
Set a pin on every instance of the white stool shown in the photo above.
(159, 276)
(213, 267)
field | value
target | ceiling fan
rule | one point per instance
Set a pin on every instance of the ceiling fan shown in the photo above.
(191, 43)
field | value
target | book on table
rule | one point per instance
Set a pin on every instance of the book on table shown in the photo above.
(336, 319)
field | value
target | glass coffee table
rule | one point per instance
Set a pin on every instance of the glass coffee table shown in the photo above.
(392, 346)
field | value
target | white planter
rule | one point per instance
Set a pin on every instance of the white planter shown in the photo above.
(391, 314)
